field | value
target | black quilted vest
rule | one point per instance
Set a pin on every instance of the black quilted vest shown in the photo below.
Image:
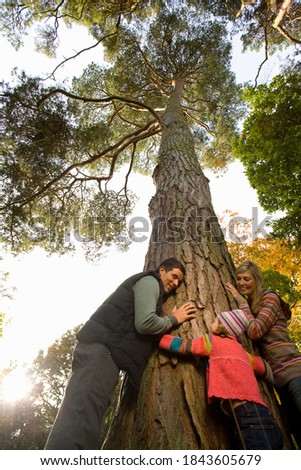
(113, 325)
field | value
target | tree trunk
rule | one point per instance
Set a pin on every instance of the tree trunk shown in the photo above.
(170, 411)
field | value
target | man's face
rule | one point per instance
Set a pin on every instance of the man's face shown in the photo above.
(170, 279)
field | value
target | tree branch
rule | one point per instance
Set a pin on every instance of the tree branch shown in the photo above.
(156, 79)
(78, 54)
(266, 55)
(133, 103)
(200, 123)
(287, 35)
(149, 129)
(282, 12)
(284, 9)
(244, 3)
(129, 172)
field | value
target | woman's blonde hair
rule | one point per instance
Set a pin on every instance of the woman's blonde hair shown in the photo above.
(256, 273)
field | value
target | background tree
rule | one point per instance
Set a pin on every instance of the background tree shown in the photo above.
(22, 426)
(26, 422)
(274, 255)
(278, 260)
(270, 143)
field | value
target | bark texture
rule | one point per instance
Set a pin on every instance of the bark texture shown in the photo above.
(170, 411)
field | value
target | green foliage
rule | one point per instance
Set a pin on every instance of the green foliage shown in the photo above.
(181, 44)
(282, 284)
(47, 195)
(260, 23)
(47, 41)
(270, 144)
(99, 16)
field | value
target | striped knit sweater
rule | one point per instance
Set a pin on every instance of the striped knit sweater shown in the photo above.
(231, 370)
(269, 329)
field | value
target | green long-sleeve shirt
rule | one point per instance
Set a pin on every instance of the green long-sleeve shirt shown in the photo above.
(146, 296)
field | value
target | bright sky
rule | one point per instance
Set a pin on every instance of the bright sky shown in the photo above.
(56, 293)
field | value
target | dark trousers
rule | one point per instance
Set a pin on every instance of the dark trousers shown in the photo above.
(87, 396)
(257, 428)
(290, 397)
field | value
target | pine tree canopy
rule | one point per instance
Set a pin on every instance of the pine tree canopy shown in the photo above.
(62, 145)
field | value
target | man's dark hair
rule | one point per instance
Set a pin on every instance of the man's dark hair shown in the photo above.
(171, 263)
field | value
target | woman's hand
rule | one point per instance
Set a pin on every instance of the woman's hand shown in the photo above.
(237, 296)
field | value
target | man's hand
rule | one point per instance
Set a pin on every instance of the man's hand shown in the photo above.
(185, 312)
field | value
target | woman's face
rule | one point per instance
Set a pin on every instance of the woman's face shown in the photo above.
(246, 284)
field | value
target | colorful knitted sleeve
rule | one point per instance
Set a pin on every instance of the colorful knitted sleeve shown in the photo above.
(187, 347)
(266, 318)
(261, 368)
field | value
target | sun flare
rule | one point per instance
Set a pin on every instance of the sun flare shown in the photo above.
(15, 386)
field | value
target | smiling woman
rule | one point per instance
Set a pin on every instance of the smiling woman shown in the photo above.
(15, 386)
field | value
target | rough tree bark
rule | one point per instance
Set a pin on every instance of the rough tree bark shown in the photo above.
(170, 411)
